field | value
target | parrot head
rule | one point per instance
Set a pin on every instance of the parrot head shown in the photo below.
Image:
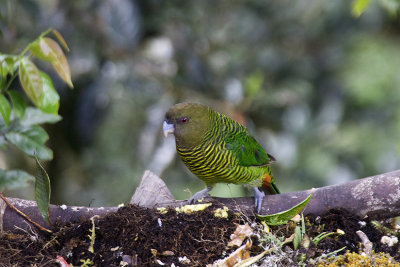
(189, 123)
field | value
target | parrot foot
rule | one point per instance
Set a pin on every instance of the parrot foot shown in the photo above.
(201, 194)
(258, 198)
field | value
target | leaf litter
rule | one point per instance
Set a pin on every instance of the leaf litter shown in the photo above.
(135, 236)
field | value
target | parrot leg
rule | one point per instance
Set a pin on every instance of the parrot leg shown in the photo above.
(201, 194)
(258, 198)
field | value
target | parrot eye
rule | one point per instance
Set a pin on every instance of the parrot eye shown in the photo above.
(184, 120)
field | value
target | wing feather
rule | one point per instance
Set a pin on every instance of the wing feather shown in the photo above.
(247, 150)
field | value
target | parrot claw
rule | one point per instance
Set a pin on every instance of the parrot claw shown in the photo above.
(258, 198)
(201, 194)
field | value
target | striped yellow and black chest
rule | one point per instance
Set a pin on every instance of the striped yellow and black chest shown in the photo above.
(213, 162)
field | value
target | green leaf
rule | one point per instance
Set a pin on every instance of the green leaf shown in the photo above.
(36, 50)
(31, 81)
(42, 191)
(358, 7)
(31, 141)
(284, 216)
(303, 225)
(50, 97)
(18, 103)
(5, 109)
(14, 179)
(60, 39)
(7, 65)
(297, 238)
(48, 50)
(320, 237)
(35, 116)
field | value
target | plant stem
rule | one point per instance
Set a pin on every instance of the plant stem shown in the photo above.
(10, 82)
(40, 36)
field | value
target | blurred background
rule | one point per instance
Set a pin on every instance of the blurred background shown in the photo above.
(317, 87)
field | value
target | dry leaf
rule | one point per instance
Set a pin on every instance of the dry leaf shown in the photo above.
(241, 232)
(236, 257)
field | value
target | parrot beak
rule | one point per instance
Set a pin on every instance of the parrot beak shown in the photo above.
(168, 128)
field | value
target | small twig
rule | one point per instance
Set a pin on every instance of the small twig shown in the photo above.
(51, 241)
(24, 215)
(365, 241)
(29, 231)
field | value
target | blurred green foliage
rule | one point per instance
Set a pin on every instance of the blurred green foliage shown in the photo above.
(317, 86)
(20, 126)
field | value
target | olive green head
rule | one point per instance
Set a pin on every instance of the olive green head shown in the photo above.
(189, 122)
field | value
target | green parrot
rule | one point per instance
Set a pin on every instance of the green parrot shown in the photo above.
(219, 150)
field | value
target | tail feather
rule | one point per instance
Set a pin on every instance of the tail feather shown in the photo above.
(268, 185)
(275, 188)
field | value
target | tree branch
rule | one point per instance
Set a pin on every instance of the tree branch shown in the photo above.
(375, 197)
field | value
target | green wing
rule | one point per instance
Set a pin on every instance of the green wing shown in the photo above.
(247, 150)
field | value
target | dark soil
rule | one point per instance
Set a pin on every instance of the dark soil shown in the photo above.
(343, 220)
(144, 237)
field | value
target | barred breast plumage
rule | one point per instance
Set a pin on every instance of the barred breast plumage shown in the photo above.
(212, 162)
(217, 149)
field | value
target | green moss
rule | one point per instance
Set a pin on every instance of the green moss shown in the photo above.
(351, 259)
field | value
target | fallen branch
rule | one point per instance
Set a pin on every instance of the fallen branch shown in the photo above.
(375, 197)
(26, 217)
(10, 220)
